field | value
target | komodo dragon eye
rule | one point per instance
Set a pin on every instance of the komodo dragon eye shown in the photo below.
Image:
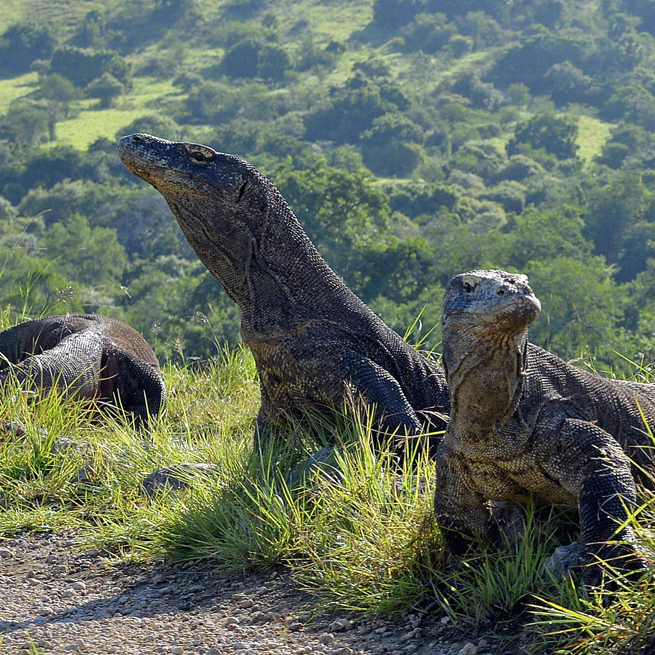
(200, 157)
(469, 284)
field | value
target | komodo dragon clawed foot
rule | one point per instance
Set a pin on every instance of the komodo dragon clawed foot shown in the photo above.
(526, 426)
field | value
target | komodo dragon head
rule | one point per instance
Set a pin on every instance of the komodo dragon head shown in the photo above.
(226, 208)
(485, 313)
(494, 301)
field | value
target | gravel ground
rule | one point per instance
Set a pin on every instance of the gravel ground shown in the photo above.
(70, 601)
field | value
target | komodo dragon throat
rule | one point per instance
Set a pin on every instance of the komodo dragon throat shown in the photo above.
(525, 423)
(87, 356)
(314, 341)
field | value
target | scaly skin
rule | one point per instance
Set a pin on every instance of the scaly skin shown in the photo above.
(88, 356)
(314, 342)
(526, 424)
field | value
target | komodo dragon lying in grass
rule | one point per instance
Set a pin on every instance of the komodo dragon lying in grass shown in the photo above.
(526, 424)
(314, 342)
(88, 356)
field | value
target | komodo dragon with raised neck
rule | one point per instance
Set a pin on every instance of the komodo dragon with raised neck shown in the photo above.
(314, 342)
(88, 356)
(524, 424)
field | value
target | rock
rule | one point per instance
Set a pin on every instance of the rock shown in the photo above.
(340, 625)
(175, 477)
(5, 553)
(468, 649)
(326, 638)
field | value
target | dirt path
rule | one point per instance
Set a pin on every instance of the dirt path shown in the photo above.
(66, 601)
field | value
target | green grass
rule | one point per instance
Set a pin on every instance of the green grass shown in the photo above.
(592, 135)
(16, 87)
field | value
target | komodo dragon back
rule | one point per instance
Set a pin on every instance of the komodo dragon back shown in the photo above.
(314, 342)
(88, 356)
(527, 425)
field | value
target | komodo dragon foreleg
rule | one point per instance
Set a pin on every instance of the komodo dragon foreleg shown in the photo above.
(591, 463)
(364, 381)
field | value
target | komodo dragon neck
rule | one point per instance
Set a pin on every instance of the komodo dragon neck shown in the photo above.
(246, 235)
(485, 379)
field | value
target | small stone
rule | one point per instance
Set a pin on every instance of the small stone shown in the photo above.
(177, 650)
(68, 593)
(158, 578)
(80, 645)
(245, 603)
(175, 477)
(326, 638)
(294, 626)
(340, 625)
(468, 649)
(5, 553)
(344, 650)
(259, 617)
(78, 586)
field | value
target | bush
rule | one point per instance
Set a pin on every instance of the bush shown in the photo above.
(82, 66)
(556, 135)
(22, 44)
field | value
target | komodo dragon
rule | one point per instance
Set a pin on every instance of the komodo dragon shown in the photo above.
(524, 424)
(314, 342)
(88, 356)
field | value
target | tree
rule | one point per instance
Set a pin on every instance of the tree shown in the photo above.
(82, 66)
(25, 124)
(343, 213)
(91, 256)
(47, 168)
(273, 62)
(580, 305)
(106, 88)
(390, 147)
(556, 135)
(396, 13)
(22, 44)
(59, 91)
(242, 59)
(349, 113)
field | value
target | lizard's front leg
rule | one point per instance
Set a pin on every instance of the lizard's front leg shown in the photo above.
(591, 463)
(460, 511)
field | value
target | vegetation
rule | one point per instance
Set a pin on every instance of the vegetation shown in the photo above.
(420, 138)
